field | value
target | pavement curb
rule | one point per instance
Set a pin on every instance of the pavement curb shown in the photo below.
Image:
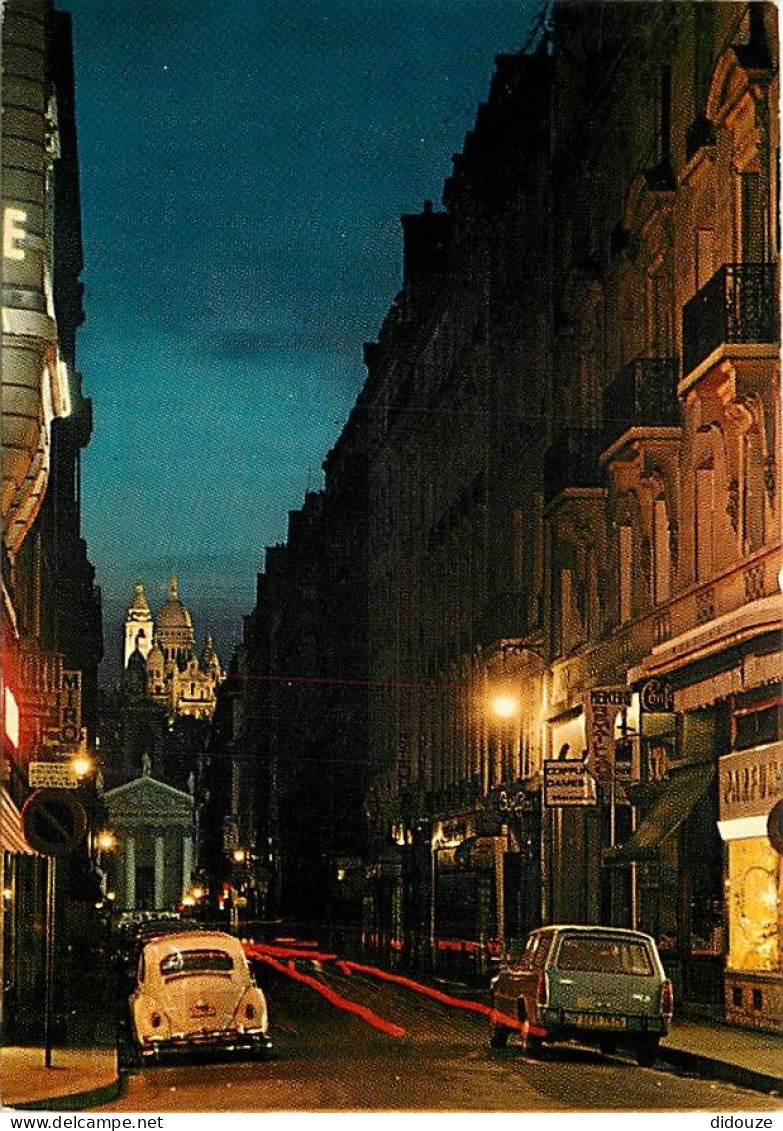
(74, 1101)
(721, 1070)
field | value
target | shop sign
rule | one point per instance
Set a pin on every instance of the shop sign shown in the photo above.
(603, 705)
(54, 775)
(507, 800)
(68, 727)
(750, 781)
(656, 697)
(568, 783)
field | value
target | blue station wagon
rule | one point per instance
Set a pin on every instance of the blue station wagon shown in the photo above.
(597, 985)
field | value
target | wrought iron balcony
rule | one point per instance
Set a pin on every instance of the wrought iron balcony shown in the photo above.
(642, 395)
(738, 304)
(572, 461)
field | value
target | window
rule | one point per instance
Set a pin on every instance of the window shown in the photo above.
(751, 218)
(661, 565)
(757, 726)
(705, 256)
(660, 333)
(625, 554)
(566, 610)
(540, 952)
(705, 522)
(196, 961)
(604, 955)
(536, 951)
(753, 492)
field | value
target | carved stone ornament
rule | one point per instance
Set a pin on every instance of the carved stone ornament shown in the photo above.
(732, 501)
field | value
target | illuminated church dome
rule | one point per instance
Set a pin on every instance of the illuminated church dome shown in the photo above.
(174, 615)
(174, 628)
(176, 677)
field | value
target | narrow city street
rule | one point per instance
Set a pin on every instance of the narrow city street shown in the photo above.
(326, 1059)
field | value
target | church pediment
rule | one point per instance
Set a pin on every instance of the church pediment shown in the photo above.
(149, 801)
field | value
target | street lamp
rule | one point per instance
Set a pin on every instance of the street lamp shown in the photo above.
(82, 765)
(106, 841)
(504, 705)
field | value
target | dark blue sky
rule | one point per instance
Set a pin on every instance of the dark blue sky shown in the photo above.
(244, 165)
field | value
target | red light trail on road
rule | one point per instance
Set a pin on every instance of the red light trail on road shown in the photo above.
(360, 1011)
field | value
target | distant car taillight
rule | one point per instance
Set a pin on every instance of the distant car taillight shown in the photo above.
(542, 989)
(250, 1011)
(155, 1020)
(667, 998)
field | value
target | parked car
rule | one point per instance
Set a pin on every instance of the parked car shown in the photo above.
(131, 938)
(597, 985)
(195, 989)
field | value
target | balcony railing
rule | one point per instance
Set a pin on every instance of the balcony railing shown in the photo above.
(642, 395)
(572, 461)
(738, 304)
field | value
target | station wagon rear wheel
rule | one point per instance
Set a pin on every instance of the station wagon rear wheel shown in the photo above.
(646, 1051)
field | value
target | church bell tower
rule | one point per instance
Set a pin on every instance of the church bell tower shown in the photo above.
(138, 625)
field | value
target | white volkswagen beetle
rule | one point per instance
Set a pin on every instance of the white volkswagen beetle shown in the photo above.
(195, 989)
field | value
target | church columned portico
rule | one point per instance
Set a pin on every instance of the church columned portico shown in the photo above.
(154, 859)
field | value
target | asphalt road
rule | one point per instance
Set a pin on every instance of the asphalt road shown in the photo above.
(326, 1059)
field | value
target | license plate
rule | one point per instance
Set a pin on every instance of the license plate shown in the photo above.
(202, 1010)
(599, 1021)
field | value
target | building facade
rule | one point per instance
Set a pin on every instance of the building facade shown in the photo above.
(51, 618)
(564, 610)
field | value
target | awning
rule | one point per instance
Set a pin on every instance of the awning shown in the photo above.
(667, 814)
(12, 837)
(727, 631)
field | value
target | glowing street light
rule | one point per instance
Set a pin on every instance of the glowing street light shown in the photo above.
(106, 841)
(505, 706)
(82, 765)
(239, 855)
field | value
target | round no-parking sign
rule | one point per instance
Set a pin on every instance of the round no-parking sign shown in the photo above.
(54, 822)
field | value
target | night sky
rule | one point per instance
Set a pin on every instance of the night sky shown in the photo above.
(243, 169)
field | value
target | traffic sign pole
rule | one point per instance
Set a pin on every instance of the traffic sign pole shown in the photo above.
(51, 914)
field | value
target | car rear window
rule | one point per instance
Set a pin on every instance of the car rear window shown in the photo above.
(196, 961)
(603, 955)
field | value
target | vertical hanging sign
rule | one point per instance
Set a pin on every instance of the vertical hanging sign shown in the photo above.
(602, 707)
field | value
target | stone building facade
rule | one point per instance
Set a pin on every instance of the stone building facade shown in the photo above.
(51, 611)
(568, 539)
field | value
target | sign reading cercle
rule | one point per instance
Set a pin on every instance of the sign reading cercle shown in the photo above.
(54, 822)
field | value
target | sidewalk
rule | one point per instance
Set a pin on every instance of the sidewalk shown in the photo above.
(749, 1058)
(78, 1078)
(87, 1077)
(741, 1056)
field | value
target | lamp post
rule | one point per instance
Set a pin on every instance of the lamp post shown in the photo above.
(515, 716)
